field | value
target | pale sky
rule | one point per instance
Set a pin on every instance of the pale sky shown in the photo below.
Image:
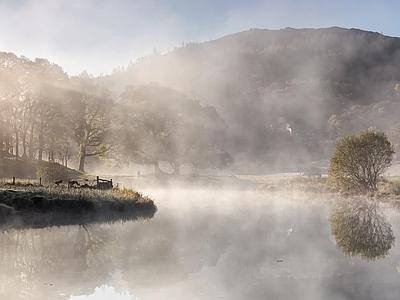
(98, 35)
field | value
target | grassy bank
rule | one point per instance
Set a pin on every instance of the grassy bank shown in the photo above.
(188, 181)
(57, 205)
(388, 188)
(298, 183)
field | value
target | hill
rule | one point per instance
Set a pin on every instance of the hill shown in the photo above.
(284, 96)
(331, 68)
(289, 80)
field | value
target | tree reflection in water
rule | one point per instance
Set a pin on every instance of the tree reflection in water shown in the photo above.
(361, 229)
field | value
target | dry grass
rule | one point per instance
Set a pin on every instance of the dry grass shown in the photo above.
(302, 184)
(29, 198)
(388, 189)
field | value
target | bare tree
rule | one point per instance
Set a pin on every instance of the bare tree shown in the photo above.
(90, 111)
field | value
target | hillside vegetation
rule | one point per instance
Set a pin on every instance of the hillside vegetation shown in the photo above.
(315, 84)
(255, 101)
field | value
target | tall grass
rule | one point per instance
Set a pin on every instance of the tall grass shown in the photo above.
(27, 197)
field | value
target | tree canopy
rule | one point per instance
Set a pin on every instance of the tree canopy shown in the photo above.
(46, 115)
(359, 160)
(161, 124)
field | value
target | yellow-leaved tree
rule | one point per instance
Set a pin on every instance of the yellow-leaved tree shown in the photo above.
(359, 160)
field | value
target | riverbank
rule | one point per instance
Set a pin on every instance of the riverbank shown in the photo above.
(188, 181)
(56, 206)
(388, 188)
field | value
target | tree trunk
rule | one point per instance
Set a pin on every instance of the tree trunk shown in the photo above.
(40, 146)
(6, 137)
(176, 170)
(51, 149)
(31, 141)
(16, 144)
(24, 142)
(1, 134)
(82, 162)
(24, 146)
(176, 166)
(157, 169)
(82, 156)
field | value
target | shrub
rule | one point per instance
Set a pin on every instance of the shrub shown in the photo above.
(359, 160)
(50, 171)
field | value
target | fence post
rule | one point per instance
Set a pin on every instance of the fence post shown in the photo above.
(97, 180)
(40, 181)
(13, 180)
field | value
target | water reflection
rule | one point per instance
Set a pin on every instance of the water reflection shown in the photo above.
(46, 220)
(361, 229)
(200, 245)
(34, 261)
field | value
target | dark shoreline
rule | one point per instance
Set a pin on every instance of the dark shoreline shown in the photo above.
(47, 220)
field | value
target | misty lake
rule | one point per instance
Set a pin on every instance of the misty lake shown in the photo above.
(201, 244)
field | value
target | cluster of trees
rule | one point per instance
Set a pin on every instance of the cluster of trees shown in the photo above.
(155, 123)
(380, 116)
(47, 115)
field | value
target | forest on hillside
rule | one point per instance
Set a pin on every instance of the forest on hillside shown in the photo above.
(45, 115)
(255, 101)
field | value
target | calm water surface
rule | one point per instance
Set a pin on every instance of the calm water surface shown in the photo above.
(209, 244)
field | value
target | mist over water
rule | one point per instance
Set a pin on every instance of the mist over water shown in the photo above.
(255, 102)
(202, 244)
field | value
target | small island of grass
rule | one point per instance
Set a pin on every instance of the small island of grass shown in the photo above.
(39, 206)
